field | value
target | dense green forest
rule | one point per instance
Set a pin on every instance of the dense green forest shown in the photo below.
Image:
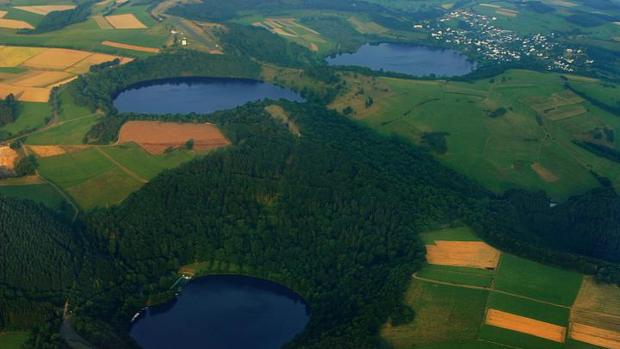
(59, 19)
(8, 110)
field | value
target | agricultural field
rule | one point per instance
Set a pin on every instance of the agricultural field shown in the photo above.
(291, 29)
(518, 304)
(514, 130)
(43, 69)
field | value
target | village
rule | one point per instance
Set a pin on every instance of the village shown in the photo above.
(480, 36)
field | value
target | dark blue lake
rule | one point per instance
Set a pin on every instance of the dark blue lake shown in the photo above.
(407, 59)
(224, 312)
(197, 95)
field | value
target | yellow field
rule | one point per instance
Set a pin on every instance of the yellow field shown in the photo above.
(2, 13)
(126, 21)
(595, 336)
(506, 12)
(11, 56)
(491, 5)
(472, 254)
(14, 24)
(525, 325)
(48, 67)
(43, 10)
(56, 58)
(130, 47)
(7, 158)
(37, 78)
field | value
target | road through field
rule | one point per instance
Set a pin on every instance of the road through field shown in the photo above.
(415, 276)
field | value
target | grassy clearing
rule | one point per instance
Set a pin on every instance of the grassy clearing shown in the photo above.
(538, 281)
(528, 308)
(497, 152)
(68, 133)
(31, 116)
(450, 234)
(96, 191)
(434, 304)
(144, 164)
(41, 193)
(458, 275)
(13, 339)
(515, 339)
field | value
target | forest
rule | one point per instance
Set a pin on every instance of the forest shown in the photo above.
(59, 19)
(9, 109)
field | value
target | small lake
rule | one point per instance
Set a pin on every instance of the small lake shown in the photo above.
(407, 59)
(197, 95)
(224, 312)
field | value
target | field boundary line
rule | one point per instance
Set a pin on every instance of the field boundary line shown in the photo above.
(415, 276)
(119, 165)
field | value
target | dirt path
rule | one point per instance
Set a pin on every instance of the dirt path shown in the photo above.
(119, 165)
(72, 338)
(415, 276)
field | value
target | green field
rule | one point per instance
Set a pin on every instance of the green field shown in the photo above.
(69, 132)
(31, 116)
(144, 164)
(538, 281)
(41, 193)
(458, 275)
(433, 305)
(530, 146)
(13, 340)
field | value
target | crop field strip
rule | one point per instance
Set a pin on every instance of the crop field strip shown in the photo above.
(46, 68)
(125, 21)
(522, 310)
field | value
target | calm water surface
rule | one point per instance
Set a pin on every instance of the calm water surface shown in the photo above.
(224, 312)
(408, 59)
(197, 95)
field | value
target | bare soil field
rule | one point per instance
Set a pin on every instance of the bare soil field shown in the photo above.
(130, 47)
(544, 173)
(155, 137)
(56, 58)
(44, 10)
(125, 21)
(7, 158)
(14, 24)
(595, 336)
(45, 151)
(525, 325)
(472, 254)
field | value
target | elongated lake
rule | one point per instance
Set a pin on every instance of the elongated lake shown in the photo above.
(407, 59)
(224, 312)
(197, 95)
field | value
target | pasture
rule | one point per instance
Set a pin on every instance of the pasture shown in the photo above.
(13, 339)
(521, 304)
(530, 146)
(290, 29)
(42, 193)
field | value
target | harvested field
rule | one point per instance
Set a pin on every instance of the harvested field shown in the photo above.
(125, 21)
(2, 13)
(7, 158)
(490, 5)
(102, 22)
(155, 137)
(56, 58)
(525, 325)
(25, 94)
(563, 3)
(40, 78)
(130, 47)
(45, 151)
(84, 65)
(14, 24)
(544, 173)
(595, 336)
(598, 306)
(12, 56)
(472, 254)
(43, 10)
